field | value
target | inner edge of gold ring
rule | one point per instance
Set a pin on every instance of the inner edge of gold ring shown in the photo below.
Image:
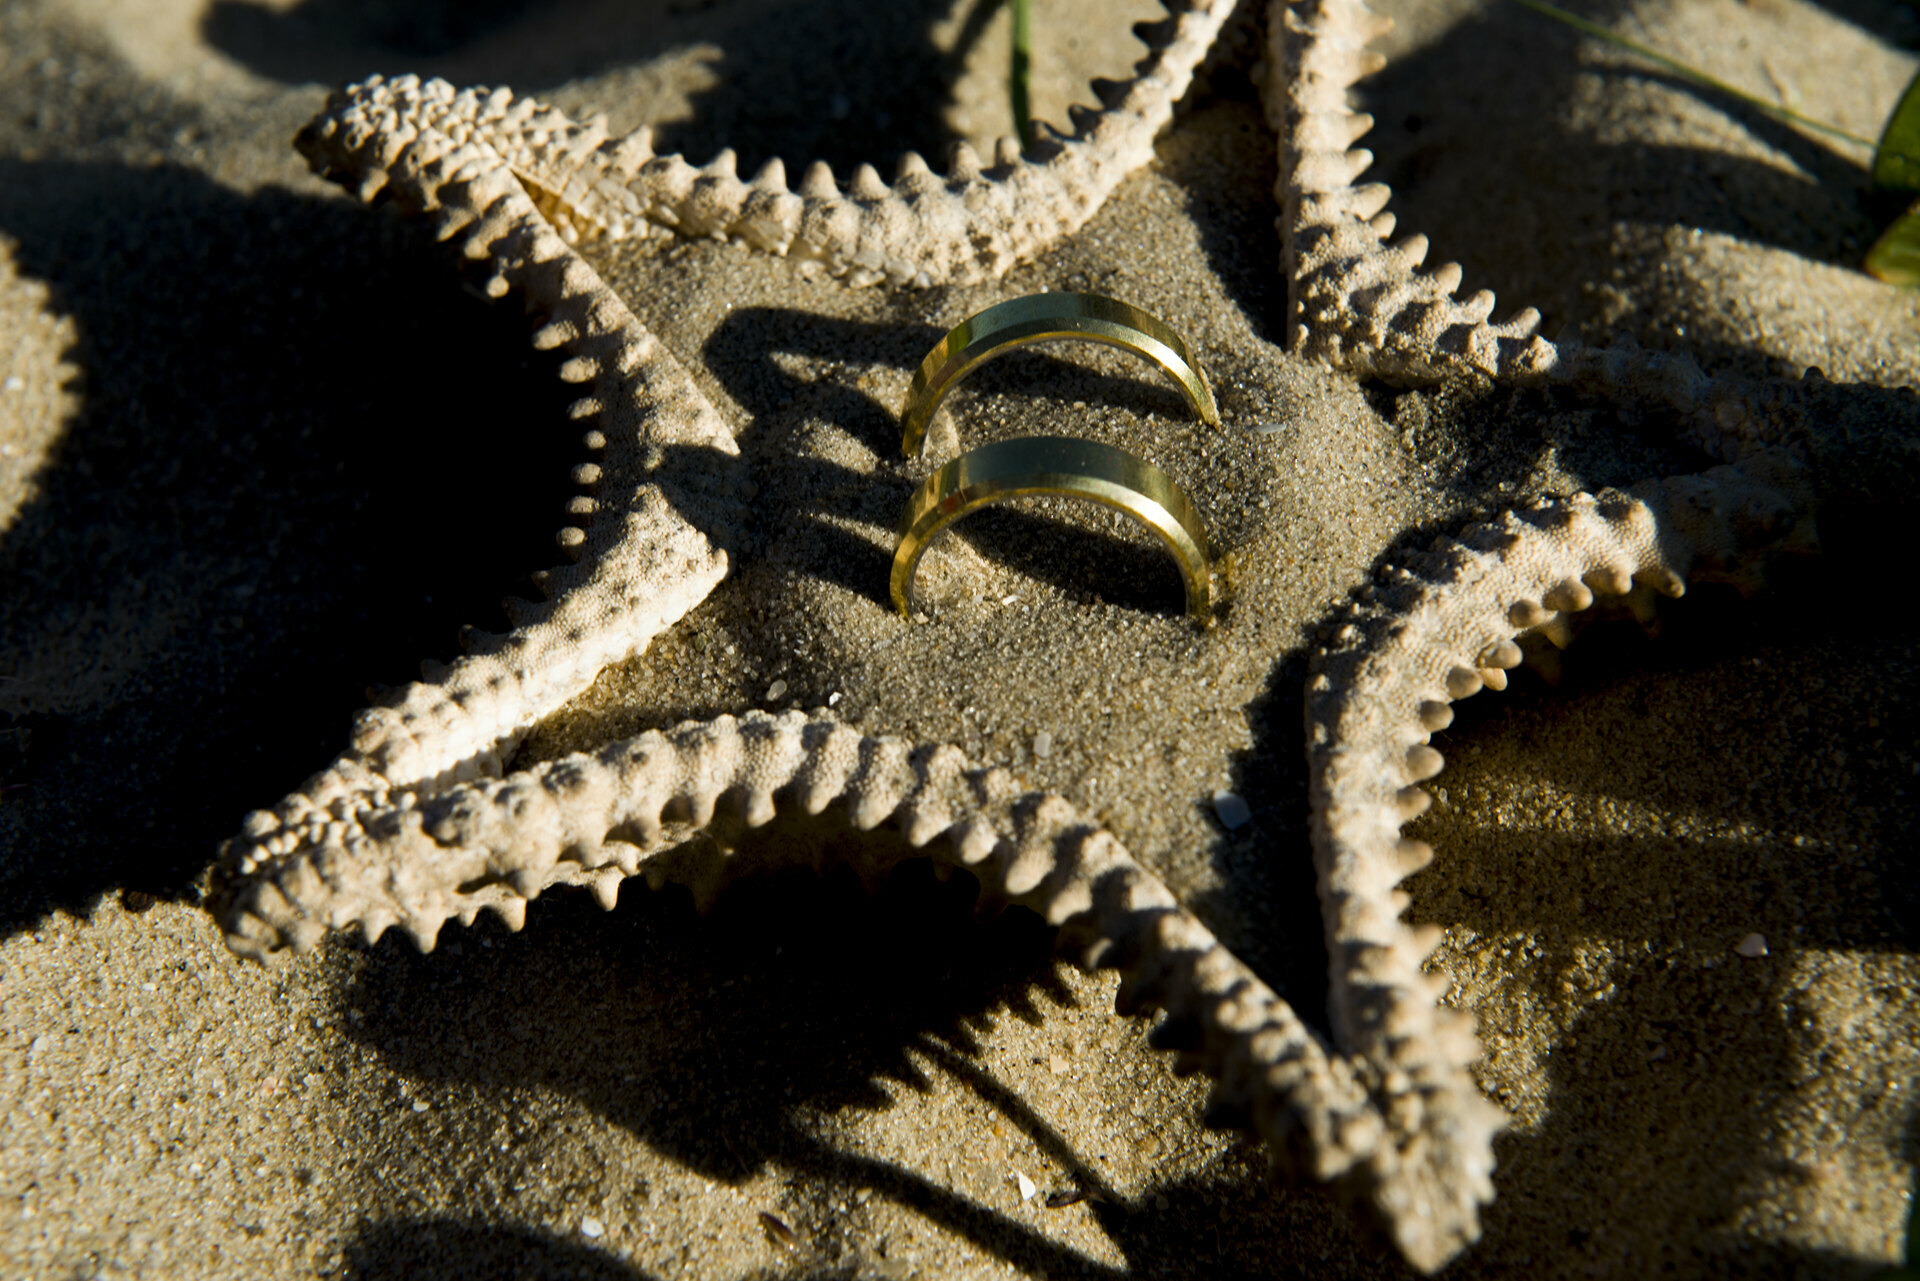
(1019, 322)
(1063, 467)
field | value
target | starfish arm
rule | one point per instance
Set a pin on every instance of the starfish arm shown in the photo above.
(661, 494)
(1427, 635)
(416, 825)
(1361, 302)
(967, 225)
(1354, 300)
(630, 809)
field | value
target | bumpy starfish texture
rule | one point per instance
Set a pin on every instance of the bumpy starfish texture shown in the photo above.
(1428, 634)
(969, 224)
(1455, 620)
(414, 825)
(662, 497)
(662, 491)
(1425, 636)
(1360, 302)
(627, 810)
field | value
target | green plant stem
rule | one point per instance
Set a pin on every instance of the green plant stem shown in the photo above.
(1682, 69)
(1019, 84)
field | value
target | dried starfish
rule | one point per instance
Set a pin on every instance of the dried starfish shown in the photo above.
(415, 824)
(1452, 623)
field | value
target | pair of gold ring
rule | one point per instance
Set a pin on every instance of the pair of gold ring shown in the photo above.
(1063, 466)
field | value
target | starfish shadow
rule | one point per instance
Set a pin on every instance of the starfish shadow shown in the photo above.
(1486, 448)
(280, 41)
(1566, 207)
(862, 85)
(1225, 132)
(259, 504)
(886, 93)
(1669, 1070)
(745, 1043)
(1684, 1119)
(459, 1248)
(1806, 612)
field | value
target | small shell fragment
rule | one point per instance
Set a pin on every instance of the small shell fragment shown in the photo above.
(1232, 809)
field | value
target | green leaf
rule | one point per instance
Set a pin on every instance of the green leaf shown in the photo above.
(1019, 83)
(1895, 257)
(1896, 161)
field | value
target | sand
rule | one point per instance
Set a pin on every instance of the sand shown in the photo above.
(259, 449)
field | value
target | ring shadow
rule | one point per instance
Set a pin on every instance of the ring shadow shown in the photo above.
(1086, 564)
(319, 607)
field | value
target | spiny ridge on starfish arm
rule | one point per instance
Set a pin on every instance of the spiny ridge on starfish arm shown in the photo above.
(970, 224)
(1354, 300)
(661, 495)
(1361, 302)
(628, 809)
(1437, 630)
(398, 831)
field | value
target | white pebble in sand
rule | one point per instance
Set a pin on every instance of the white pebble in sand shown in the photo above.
(592, 1228)
(1233, 810)
(1043, 745)
(776, 690)
(1753, 945)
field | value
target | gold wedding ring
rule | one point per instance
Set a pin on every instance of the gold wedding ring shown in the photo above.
(1067, 467)
(1039, 318)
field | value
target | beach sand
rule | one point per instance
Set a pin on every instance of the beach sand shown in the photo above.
(259, 449)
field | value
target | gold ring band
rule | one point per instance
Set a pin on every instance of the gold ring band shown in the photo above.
(1039, 318)
(1068, 467)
